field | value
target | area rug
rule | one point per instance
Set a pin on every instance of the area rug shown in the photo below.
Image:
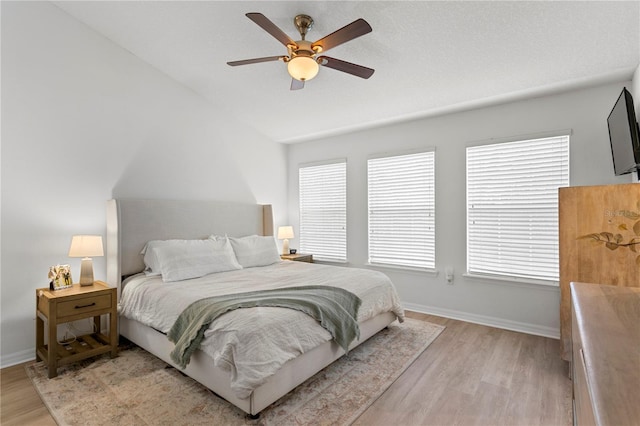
(136, 388)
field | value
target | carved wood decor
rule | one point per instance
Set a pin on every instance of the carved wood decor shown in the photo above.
(599, 242)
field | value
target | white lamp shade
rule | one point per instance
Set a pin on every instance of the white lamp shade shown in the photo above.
(285, 232)
(86, 246)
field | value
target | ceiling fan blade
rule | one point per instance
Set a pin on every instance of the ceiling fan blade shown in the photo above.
(296, 84)
(355, 29)
(344, 66)
(254, 61)
(271, 28)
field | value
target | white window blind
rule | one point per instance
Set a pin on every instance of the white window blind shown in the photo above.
(402, 210)
(323, 211)
(512, 207)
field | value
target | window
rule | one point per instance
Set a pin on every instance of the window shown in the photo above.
(323, 211)
(401, 210)
(512, 207)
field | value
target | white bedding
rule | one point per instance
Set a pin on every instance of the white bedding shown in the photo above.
(254, 343)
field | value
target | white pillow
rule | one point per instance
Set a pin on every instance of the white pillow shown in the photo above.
(255, 250)
(152, 267)
(195, 258)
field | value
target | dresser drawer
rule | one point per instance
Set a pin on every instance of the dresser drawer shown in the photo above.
(83, 305)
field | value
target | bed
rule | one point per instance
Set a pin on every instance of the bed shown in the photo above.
(132, 223)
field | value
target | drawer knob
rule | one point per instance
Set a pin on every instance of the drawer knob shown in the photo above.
(85, 306)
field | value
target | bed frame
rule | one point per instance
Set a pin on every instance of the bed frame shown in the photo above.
(133, 222)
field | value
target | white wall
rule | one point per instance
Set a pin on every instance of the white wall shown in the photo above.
(635, 92)
(84, 121)
(527, 307)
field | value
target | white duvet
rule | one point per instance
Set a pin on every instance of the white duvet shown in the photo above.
(252, 344)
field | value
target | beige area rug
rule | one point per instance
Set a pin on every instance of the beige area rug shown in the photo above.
(137, 388)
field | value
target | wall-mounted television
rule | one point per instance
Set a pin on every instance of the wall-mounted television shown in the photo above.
(624, 135)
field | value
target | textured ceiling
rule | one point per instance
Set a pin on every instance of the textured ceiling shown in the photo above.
(430, 57)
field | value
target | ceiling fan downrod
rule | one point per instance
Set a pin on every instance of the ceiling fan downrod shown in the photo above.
(303, 23)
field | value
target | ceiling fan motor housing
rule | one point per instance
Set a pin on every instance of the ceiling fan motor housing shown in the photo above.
(303, 48)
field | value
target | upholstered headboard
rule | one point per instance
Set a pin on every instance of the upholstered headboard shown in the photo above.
(131, 223)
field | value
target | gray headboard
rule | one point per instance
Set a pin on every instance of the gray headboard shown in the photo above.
(131, 223)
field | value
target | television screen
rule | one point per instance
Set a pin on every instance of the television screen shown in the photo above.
(623, 134)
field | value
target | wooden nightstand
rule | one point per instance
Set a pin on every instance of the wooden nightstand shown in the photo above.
(75, 303)
(298, 257)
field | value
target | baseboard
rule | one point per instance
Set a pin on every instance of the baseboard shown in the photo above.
(18, 357)
(27, 354)
(522, 327)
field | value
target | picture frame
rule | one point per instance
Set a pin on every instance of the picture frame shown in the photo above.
(60, 277)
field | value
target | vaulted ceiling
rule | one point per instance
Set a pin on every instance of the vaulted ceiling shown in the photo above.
(429, 57)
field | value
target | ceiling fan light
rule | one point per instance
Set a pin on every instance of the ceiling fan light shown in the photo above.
(303, 68)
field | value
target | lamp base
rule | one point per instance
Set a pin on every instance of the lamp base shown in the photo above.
(86, 272)
(285, 246)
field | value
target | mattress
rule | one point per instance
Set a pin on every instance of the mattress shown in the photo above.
(252, 344)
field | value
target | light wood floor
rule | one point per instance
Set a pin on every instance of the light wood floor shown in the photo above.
(470, 375)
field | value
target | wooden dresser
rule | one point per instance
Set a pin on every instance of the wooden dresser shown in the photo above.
(606, 354)
(599, 228)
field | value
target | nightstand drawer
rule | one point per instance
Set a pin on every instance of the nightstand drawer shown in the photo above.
(83, 305)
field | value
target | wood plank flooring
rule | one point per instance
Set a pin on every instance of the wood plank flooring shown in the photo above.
(478, 375)
(470, 375)
(20, 403)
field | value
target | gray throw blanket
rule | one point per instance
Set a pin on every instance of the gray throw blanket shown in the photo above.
(335, 308)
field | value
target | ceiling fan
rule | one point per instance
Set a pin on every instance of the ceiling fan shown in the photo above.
(302, 57)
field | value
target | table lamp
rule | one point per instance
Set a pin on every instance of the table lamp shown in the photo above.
(284, 233)
(86, 247)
